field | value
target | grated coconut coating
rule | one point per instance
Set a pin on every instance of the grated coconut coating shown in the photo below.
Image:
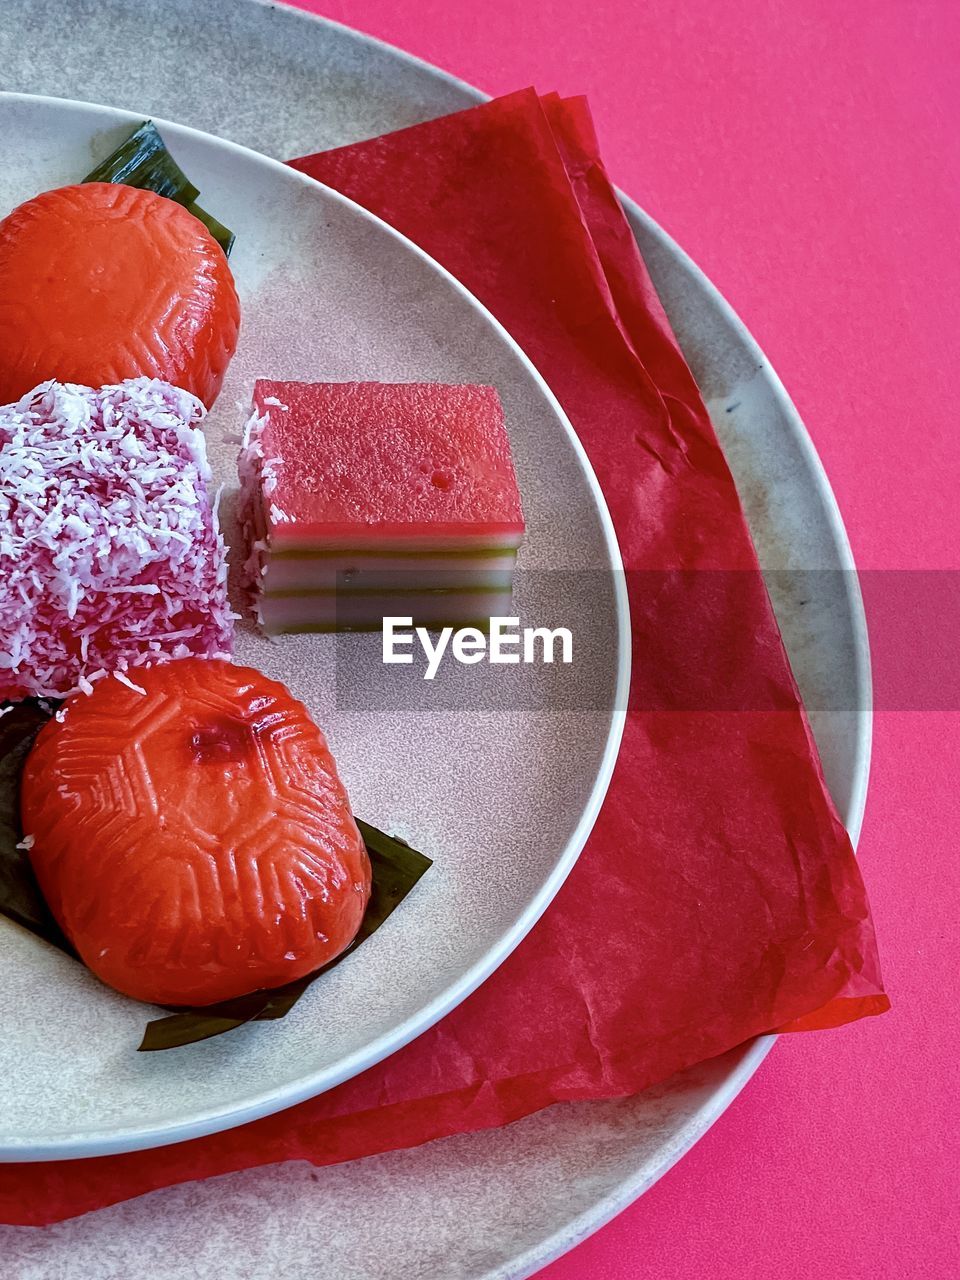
(110, 549)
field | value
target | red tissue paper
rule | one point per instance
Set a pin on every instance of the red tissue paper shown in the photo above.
(718, 896)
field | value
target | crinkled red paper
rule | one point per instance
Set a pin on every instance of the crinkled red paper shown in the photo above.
(718, 896)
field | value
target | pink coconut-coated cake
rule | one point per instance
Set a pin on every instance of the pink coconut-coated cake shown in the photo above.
(110, 549)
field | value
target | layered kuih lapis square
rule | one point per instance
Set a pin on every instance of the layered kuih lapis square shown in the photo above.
(362, 500)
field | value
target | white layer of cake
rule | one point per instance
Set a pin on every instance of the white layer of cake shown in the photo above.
(326, 572)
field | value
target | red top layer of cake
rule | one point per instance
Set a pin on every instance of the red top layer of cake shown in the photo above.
(361, 458)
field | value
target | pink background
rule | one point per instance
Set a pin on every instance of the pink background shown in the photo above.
(807, 155)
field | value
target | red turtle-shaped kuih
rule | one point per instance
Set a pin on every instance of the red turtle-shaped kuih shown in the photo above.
(100, 282)
(191, 834)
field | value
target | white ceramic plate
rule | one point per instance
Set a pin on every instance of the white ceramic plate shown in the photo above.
(477, 760)
(501, 1204)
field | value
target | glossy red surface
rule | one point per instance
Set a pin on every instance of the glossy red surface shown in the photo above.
(101, 282)
(194, 840)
